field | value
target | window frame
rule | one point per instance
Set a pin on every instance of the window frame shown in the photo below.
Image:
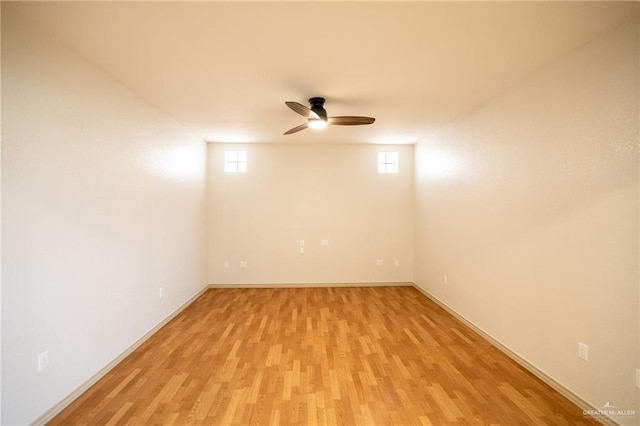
(388, 162)
(235, 161)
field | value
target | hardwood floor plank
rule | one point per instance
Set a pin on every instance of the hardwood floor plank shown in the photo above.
(325, 356)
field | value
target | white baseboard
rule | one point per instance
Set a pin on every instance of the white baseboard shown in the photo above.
(57, 408)
(558, 387)
(313, 285)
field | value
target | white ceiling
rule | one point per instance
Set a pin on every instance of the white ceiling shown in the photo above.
(224, 69)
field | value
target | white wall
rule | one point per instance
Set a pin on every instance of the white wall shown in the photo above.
(310, 192)
(530, 206)
(104, 202)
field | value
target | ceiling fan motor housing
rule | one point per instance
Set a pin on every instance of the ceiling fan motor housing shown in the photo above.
(317, 106)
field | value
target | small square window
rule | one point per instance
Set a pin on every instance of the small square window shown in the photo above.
(235, 161)
(387, 162)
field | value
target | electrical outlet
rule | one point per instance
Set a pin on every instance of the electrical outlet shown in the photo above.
(301, 250)
(226, 264)
(583, 351)
(379, 262)
(396, 262)
(160, 291)
(301, 243)
(638, 378)
(446, 280)
(325, 243)
(243, 264)
(43, 361)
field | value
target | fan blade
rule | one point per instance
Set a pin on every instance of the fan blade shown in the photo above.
(296, 129)
(302, 110)
(350, 120)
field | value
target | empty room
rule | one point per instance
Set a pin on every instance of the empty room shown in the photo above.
(338, 213)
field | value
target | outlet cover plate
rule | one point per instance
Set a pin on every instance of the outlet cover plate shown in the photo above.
(583, 351)
(43, 360)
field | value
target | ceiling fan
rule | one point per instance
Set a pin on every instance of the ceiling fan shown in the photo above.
(317, 116)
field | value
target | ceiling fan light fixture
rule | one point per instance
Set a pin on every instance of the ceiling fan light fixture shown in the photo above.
(317, 123)
(317, 116)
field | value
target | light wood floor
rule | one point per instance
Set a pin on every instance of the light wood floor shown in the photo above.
(335, 356)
